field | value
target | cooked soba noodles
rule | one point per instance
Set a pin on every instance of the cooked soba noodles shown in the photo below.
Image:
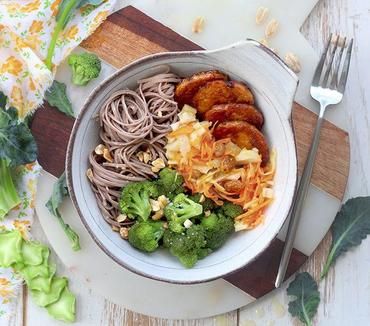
(133, 131)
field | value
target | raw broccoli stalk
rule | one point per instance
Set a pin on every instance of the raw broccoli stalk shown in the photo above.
(135, 197)
(208, 204)
(181, 209)
(85, 67)
(146, 235)
(170, 183)
(218, 228)
(8, 194)
(188, 247)
(230, 210)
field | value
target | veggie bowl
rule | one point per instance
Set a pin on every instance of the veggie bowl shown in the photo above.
(177, 151)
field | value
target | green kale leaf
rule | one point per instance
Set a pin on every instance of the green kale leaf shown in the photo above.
(56, 96)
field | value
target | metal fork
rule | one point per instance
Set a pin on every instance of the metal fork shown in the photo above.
(327, 88)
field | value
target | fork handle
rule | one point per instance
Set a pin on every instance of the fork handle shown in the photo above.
(299, 199)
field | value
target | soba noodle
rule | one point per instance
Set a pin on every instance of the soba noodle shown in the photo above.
(132, 122)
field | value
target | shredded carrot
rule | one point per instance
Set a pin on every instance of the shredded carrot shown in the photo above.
(205, 172)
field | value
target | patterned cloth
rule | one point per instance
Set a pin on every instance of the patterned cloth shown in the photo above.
(20, 218)
(26, 27)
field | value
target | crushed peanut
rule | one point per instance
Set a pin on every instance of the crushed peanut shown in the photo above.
(121, 218)
(155, 205)
(89, 174)
(165, 225)
(158, 215)
(115, 228)
(293, 62)
(163, 201)
(147, 157)
(123, 232)
(107, 155)
(198, 25)
(140, 156)
(271, 28)
(207, 213)
(261, 15)
(99, 150)
(264, 42)
(158, 164)
(188, 224)
(202, 198)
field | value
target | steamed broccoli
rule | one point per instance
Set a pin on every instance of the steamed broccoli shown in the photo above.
(218, 228)
(208, 204)
(188, 247)
(135, 197)
(146, 235)
(170, 183)
(181, 209)
(85, 66)
(230, 210)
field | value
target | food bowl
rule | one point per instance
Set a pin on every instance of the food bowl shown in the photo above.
(273, 85)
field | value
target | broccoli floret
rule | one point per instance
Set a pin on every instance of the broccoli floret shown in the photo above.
(170, 183)
(218, 228)
(134, 201)
(146, 235)
(188, 247)
(181, 209)
(85, 67)
(230, 210)
(208, 204)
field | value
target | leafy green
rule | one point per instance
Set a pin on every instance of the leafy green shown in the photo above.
(65, 12)
(350, 227)
(33, 253)
(307, 298)
(40, 283)
(56, 96)
(43, 299)
(60, 191)
(64, 309)
(10, 248)
(29, 272)
(9, 198)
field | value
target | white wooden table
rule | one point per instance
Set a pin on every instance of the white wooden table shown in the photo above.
(345, 292)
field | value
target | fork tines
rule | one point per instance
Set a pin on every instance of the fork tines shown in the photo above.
(332, 70)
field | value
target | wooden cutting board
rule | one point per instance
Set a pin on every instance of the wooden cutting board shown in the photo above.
(128, 35)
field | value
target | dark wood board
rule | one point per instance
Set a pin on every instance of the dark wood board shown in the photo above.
(128, 35)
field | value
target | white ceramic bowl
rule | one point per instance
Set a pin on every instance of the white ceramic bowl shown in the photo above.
(273, 85)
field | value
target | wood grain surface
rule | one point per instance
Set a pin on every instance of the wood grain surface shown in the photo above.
(52, 129)
(345, 292)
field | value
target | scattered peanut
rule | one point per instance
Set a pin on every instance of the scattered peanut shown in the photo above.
(147, 157)
(89, 174)
(293, 62)
(123, 232)
(271, 28)
(188, 224)
(163, 201)
(264, 42)
(140, 156)
(99, 150)
(261, 15)
(198, 25)
(155, 205)
(207, 213)
(115, 228)
(202, 198)
(158, 164)
(107, 156)
(158, 215)
(121, 218)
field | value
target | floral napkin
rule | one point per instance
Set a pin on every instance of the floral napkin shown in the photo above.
(26, 27)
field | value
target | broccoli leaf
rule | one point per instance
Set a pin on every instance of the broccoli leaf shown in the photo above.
(56, 96)
(10, 248)
(60, 191)
(32, 253)
(350, 227)
(43, 299)
(307, 298)
(63, 309)
(17, 144)
(3, 100)
(29, 272)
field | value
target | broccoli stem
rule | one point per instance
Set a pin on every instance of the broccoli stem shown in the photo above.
(71, 235)
(8, 194)
(61, 22)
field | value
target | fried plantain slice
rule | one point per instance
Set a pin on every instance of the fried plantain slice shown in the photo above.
(244, 135)
(235, 112)
(188, 87)
(221, 92)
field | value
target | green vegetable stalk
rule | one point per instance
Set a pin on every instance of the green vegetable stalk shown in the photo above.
(65, 11)
(8, 194)
(60, 190)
